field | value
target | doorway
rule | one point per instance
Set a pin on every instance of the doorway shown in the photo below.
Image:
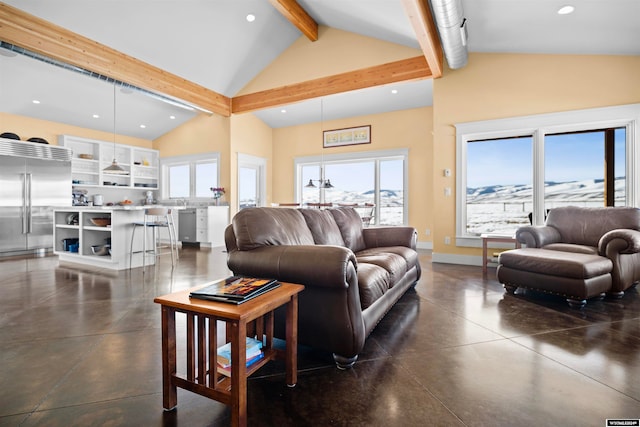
(251, 181)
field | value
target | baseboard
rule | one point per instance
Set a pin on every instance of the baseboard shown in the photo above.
(424, 245)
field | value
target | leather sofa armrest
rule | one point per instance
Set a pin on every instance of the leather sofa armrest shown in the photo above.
(537, 236)
(377, 237)
(311, 265)
(621, 241)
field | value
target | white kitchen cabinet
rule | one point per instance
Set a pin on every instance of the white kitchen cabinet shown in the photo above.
(118, 234)
(91, 157)
(210, 224)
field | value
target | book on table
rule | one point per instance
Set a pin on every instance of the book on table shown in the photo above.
(253, 354)
(254, 347)
(235, 289)
(226, 370)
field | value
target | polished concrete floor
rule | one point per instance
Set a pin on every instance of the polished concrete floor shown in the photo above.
(81, 347)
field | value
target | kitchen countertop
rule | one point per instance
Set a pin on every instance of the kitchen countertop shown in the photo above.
(133, 207)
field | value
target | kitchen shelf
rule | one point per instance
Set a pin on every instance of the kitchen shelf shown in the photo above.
(118, 234)
(141, 164)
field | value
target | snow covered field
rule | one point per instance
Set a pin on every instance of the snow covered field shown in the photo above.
(502, 209)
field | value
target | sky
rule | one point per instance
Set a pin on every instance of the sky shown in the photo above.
(569, 157)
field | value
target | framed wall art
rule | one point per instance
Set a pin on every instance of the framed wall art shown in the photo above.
(347, 136)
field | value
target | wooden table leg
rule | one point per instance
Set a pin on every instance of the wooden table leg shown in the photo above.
(169, 390)
(484, 255)
(292, 341)
(238, 373)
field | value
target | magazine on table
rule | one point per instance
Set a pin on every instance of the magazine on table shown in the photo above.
(235, 289)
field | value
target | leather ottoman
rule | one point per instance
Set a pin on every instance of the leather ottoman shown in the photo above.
(575, 276)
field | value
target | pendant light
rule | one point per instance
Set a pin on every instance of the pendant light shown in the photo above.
(114, 168)
(322, 183)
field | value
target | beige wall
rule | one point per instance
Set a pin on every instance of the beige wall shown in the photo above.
(26, 127)
(334, 52)
(401, 129)
(202, 134)
(506, 85)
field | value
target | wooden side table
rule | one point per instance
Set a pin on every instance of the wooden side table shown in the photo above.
(201, 349)
(502, 238)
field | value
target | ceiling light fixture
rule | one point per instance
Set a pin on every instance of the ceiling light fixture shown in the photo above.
(172, 117)
(322, 182)
(35, 101)
(394, 91)
(96, 116)
(251, 17)
(565, 10)
(283, 111)
(115, 168)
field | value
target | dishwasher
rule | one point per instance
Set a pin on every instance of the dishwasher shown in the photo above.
(187, 226)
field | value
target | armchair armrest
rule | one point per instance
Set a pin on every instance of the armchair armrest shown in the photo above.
(311, 265)
(537, 236)
(376, 237)
(620, 241)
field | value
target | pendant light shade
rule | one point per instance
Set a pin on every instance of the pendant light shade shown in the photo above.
(115, 168)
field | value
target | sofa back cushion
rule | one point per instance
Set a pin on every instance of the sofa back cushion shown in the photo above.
(585, 226)
(323, 227)
(255, 227)
(350, 225)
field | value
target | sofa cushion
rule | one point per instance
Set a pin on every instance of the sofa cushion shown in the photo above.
(350, 225)
(255, 227)
(569, 247)
(323, 227)
(409, 255)
(395, 264)
(373, 282)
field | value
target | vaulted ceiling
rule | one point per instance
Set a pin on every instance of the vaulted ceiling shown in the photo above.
(211, 45)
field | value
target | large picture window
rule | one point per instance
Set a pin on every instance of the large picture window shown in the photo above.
(378, 179)
(190, 177)
(510, 172)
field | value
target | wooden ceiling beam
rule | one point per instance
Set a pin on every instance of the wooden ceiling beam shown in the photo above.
(40, 36)
(404, 70)
(299, 17)
(424, 26)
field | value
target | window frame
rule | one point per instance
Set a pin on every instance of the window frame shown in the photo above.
(538, 126)
(192, 160)
(376, 156)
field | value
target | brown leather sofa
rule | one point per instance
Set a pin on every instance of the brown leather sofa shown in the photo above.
(579, 253)
(352, 275)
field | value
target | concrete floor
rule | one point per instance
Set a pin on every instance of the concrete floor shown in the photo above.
(81, 347)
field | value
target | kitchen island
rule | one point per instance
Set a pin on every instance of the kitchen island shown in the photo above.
(74, 225)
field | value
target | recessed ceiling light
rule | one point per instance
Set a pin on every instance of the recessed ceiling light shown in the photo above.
(35, 101)
(394, 91)
(95, 116)
(565, 10)
(283, 111)
(251, 17)
(143, 126)
(172, 117)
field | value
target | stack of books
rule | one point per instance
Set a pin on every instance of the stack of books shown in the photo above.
(254, 353)
(235, 289)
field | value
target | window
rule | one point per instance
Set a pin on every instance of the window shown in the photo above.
(498, 202)
(189, 177)
(511, 171)
(375, 178)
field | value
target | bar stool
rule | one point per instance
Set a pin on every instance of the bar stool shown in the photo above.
(156, 219)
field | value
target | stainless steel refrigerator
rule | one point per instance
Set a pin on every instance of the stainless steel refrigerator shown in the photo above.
(33, 178)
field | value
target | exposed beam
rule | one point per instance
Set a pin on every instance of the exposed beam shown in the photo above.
(421, 19)
(299, 17)
(404, 70)
(40, 36)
